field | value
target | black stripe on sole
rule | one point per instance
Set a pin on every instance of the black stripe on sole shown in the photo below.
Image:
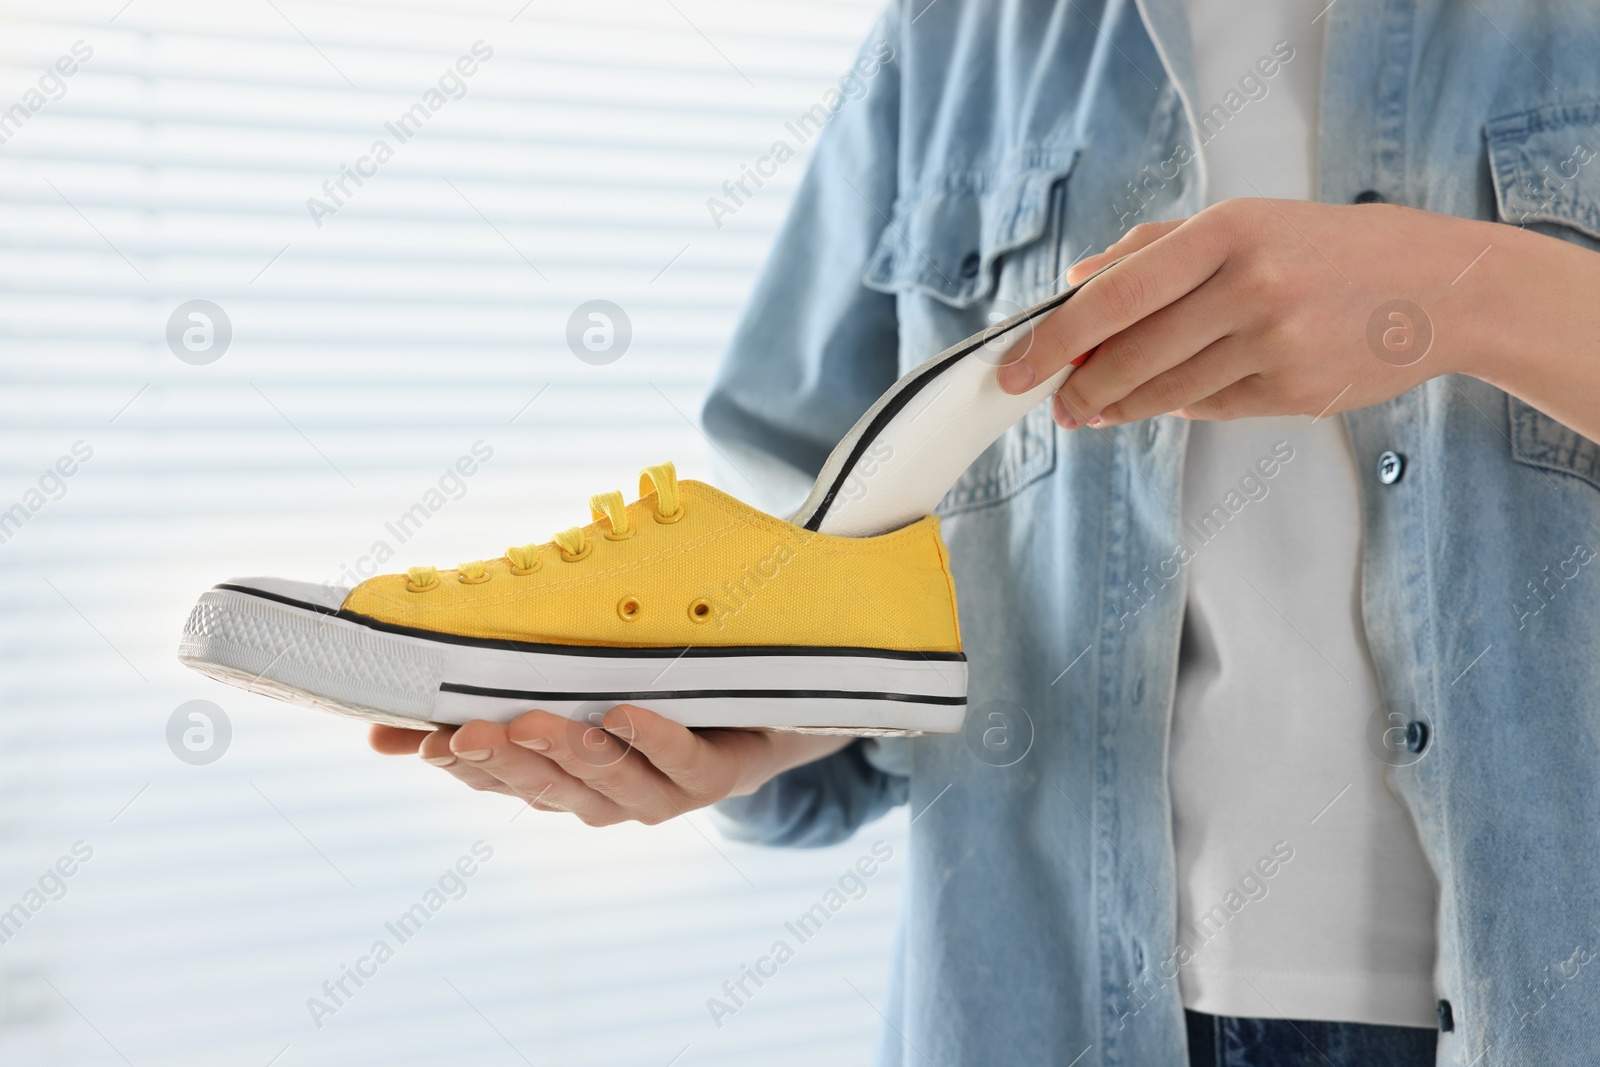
(264, 595)
(695, 694)
(604, 651)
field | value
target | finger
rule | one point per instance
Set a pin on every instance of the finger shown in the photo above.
(703, 764)
(1213, 369)
(672, 748)
(602, 760)
(1138, 285)
(395, 741)
(1150, 347)
(487, 748)
(436, 750)
(1251, 397)
(1135, 239)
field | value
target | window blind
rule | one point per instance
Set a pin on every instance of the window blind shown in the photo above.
(355, 340)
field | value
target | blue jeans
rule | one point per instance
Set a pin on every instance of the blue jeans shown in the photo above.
(1220, 1041)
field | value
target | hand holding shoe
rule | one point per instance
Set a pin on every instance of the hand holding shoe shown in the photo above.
(636, 766)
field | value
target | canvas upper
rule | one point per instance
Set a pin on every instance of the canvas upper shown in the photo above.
(686, 565)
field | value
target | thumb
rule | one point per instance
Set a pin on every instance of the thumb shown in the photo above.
(672, 748)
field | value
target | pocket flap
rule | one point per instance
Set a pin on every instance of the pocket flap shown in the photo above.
(945, 243)
(1546, 165)
(1540, 441)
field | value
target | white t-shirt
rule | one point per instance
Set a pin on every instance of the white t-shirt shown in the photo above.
(1270, 768)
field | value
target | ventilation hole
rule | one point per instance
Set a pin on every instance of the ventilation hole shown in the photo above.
(629, 608)
(700, 611)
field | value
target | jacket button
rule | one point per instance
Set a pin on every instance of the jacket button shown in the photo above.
(970, 265)
(1417, 739)
(1367, 196)
(1390, 466)
(1447, 1019)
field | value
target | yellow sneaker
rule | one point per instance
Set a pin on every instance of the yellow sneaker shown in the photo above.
(687, 602)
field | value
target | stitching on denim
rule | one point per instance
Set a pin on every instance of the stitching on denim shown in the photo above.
(1537, 440)
(1512, 162)
(903, 260)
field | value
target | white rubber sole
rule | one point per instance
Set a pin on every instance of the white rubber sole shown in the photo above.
(309, 654)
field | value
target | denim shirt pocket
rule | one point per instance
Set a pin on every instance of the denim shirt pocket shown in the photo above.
(983, 251)
(946, 242)
(1540, 441)
(1545, 164)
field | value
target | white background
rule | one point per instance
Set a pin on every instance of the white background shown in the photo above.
(369, 354)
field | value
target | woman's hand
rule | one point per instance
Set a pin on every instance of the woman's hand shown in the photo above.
(1273, 307)
(636, 765)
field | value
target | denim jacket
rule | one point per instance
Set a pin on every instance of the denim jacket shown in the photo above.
(1003, 141)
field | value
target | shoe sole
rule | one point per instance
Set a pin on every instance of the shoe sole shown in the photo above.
(342, 662)
(903, 455)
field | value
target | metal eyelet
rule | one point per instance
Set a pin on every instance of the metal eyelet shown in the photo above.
(479, 580)
(668, 520)
(700, 610)
(621, 537)
(412, 587)
(566, 557)
(520, 571)
(629, 609)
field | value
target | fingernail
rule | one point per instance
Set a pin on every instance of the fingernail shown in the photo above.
(1016, 376)
(1062, 416)
(477, 755)
(439, 761)
(1096, 422)
(1081, 360)
(538, 744)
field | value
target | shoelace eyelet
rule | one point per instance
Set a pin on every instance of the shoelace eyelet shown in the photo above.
(474, 573)
(700, 610)
(662, 480)
(629, 609)
(518, 554)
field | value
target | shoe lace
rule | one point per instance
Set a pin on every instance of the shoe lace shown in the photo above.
(571, 544)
